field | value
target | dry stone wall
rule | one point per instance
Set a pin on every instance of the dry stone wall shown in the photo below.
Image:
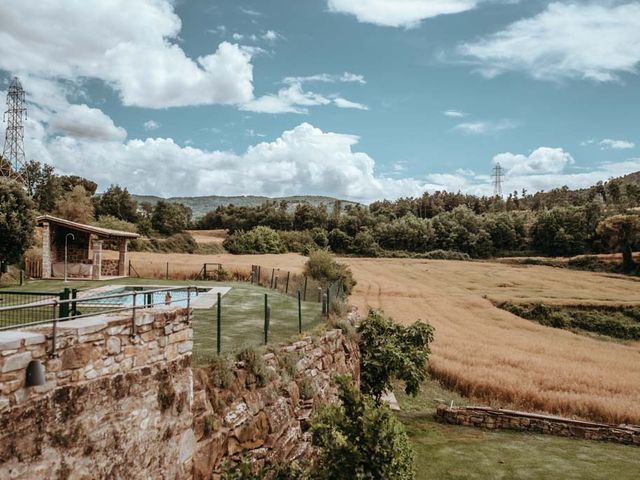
(114, 405)
(268, 423)
(530, 422)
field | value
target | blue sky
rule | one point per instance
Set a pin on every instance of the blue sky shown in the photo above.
(361, 99)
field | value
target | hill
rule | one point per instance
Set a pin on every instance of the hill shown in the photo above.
(202, 205)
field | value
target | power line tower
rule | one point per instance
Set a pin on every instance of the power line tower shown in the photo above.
(13, 151)
(497, 180)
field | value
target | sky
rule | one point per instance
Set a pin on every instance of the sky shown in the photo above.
(358, 99)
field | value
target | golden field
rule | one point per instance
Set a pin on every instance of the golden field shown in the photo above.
(482, 351)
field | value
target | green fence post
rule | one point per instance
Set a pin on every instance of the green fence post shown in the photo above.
(273, 275)
(21, 277)
(74, 305)
(299, 313)
(286, 289)
(219, 322)
(328, 299)
(167, 276)
(304, 295)
(64, 307)
(266, 319)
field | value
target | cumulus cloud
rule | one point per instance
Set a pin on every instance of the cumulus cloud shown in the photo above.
(74, 40)
(567, 40)
(83, 122)
(485, 127)
(304, 160)
(608, 143)
(399, 13)
(541, 161)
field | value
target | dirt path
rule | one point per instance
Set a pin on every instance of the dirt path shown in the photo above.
(491, 354)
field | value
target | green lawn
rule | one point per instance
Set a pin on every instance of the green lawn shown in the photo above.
(242, 312)
(453, 452)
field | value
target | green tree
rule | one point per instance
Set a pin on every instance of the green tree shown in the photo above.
(43, 185)
(257, 240)
(69, 182)
(118, 203)
(169, 218)
(76, 206)
(392, 351)
(17, 221)
(622, 232)
(359, 440)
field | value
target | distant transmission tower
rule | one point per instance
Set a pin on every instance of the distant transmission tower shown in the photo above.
(497, 180)
(13, 151)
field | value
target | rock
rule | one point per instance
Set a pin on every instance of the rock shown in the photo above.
(114, 345)
(16, 362)
(187, 446)
(76, 357)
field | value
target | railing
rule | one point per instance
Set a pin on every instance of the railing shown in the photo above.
(59, 310)
(35, 300)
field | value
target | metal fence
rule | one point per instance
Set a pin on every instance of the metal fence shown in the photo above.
(36, 309)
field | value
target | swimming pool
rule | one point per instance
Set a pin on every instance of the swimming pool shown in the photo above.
(178, 297)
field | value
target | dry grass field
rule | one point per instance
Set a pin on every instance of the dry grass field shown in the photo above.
(208, 236)
(482, 351)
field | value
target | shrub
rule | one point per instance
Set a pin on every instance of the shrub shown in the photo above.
(307, 388)
(289, 363)
(296, 241)
(254, 363)
(358, 439)
(322, 266)
(258, 240)
(392, 351)
(222, 371)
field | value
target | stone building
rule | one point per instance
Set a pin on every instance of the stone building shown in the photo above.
(84, 249)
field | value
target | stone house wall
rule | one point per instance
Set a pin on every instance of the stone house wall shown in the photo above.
(485, 417)
(268, 423)
(114, 405)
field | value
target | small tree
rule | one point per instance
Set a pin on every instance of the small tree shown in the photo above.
(360, 440)
(118, 203)
(622, 232)
(392, 351)
(323, 267)
(17, 221)
(169, 218)
(75, 206)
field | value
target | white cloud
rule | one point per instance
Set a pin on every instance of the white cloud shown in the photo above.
(567, 40)
(344, 103)
(151, 125)
(346, 77)
(294, 99)
(454, 114)
(543, 160)
(75, 40)
(83, 122)
(608, 143)
(399, 13)
(304, 160)
(485, 127)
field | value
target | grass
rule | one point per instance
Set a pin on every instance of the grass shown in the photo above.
(242, 312)
(453, 452)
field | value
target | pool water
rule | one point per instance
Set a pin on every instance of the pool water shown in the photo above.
(178, 297)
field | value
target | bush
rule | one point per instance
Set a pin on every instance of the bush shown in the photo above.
(392, 351)
(17, 221)
(358, 439)
(322, 266)
(257, 240)
(254, 362)
(296, 241)
(222, 371)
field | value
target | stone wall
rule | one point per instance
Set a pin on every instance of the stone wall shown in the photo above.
(110, 267)
(268, 423)
(113, 405)
(530, 422)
